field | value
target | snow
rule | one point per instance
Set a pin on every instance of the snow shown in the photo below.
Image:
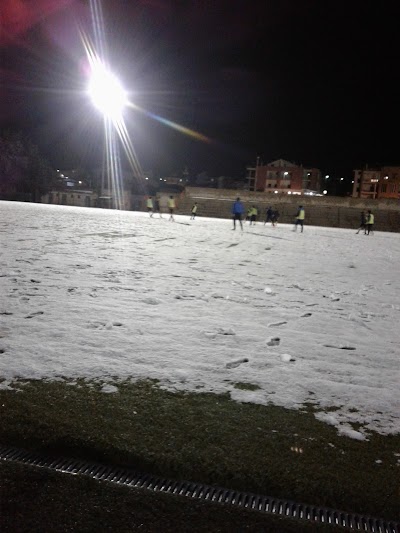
(109, 389)
(309, 318)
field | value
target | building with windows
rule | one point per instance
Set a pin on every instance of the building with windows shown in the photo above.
(366, 183)
(389, 186)
(282, 176)
(375, 183)
(76, 197)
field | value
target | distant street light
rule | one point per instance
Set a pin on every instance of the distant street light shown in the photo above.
(325, 192)
(327, 177)
(341, 179)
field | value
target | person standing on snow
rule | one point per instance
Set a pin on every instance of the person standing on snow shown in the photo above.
(149, 205)
(194, 211)
(274, 217)
(300, 216)
(253, 215)
(237, 213)
(268, 215)
(369, 223)
(171, 207)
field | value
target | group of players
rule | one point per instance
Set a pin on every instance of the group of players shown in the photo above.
(271, 215)
(238, 211)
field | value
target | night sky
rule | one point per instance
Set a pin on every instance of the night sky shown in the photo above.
(312, 81)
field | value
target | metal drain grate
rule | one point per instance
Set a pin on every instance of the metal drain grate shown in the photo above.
(199, 491)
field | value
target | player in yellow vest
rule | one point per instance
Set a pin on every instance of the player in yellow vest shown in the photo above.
(253, 215)
(369, 225)
(300, 216)
(149, 205)
(171, 207)
(194, 211)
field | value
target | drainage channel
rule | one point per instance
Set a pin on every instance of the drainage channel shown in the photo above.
(199, 491)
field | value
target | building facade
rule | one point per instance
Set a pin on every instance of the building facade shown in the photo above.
(282, 176)
(376, 183)
(78, 198)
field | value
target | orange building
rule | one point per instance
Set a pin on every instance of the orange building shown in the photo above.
(389, 186)
(282, 176)
(374, 183)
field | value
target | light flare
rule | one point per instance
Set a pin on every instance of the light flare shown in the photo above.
(174, 125)
(110, 98)
(106, 92)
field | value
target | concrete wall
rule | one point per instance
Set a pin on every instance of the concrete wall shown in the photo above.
(320, 210)
(76, 198)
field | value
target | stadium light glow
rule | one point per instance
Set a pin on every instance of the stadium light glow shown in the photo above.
(106, 92)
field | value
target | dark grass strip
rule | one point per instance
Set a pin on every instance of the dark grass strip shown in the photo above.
(207, 438)
(34, 500)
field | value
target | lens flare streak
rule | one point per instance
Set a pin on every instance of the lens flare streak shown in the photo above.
(173, 125)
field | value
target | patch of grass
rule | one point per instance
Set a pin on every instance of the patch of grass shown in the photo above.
(246, 386)
(207, 438)
(34, 500)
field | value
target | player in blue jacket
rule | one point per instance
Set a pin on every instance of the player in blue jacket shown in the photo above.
(237, 213)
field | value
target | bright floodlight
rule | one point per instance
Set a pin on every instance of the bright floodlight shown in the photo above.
(106, 92)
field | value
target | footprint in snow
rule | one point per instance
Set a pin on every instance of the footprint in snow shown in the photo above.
(151, 301)
(220, 331)
(34, 314)
(340, 346)
(274, 341)
(235, 364)
(306, 315)
(295, 286)
(103, 325)
(273, 324)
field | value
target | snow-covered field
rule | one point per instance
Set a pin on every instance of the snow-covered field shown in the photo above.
(107, 295)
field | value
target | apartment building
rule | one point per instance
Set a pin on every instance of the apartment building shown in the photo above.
(285, 177)
(375, 183)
